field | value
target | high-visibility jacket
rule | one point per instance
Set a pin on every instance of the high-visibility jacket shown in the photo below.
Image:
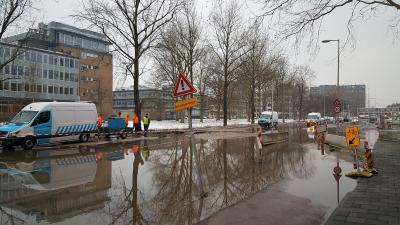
(99, 121)
(146, 120)
(126, 120)
(135, 120)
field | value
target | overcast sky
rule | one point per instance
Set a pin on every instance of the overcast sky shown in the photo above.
(375, 61)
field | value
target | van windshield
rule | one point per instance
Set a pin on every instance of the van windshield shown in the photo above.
(267, 117)
(24, 117)
(313, 117)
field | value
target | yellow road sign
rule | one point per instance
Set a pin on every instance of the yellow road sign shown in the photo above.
(351, 137)
(187, 103)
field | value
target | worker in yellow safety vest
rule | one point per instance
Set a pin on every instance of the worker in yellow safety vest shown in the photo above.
(146, 123)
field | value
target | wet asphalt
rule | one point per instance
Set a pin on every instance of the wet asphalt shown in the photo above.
(209, 178)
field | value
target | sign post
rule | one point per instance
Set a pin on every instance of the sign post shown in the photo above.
(184, 87)
(337, 108)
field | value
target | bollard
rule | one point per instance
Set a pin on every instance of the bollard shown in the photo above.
(369, 159)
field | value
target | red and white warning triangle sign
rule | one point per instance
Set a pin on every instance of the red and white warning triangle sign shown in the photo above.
(183, 86)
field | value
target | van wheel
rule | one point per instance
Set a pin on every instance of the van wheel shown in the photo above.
(124, 135)
(84, 137)
(28, 143)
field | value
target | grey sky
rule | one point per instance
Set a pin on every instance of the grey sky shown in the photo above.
(373, 62)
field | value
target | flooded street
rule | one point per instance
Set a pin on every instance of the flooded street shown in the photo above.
(176, 180)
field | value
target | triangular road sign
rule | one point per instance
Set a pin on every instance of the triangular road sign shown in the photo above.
(183, 86)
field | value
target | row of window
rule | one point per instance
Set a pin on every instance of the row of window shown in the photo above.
(88, 91)
(74, 40)
(38, 72)
(37, 88)
(142, 94)
(85, 67)
(38, 57)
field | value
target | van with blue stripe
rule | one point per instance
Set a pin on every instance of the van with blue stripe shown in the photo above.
(50, 122)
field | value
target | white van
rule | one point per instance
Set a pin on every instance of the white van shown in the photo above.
(49, 122)
(313, 119)
(268, 119)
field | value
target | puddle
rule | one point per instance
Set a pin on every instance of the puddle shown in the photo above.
(165, 181)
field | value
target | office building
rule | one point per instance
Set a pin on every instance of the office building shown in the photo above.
(90, 48)
(35, 74)
(352, 98)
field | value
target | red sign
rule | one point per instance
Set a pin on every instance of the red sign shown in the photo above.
(337, 106)
(183, 86)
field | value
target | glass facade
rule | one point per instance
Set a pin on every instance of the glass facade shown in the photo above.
(38, 74)
(81, 42)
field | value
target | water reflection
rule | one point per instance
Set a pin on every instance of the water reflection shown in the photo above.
(178, 180)
(52, 186)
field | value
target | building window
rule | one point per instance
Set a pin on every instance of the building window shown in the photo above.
(20, 87)
(13, 87)
(61, 75)
(6, 52)
(27, 55)
(45, 74)
(51, 60)
(45, 59)
(7, 69)
(50, 74)
(56, 61)
(66, 91)
(6, 86)
(33, 88)
(44, 88)
(56, 75)
(71, 91)
(71, 63)
(66, 76)
(50, 88)
(72, 77)
(33, 56)
(1, 51)
(61, 90)
(27, 87)
(55, 90)
(20, 70)
(39, 88)
(61, 61)
(39, 57)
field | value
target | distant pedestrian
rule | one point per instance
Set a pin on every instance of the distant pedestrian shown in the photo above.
(136, 123)
(119, 114)
(126, 120)
(146, 123)
(99, 120)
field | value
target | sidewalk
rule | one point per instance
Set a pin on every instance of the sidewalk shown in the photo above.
(375, 200)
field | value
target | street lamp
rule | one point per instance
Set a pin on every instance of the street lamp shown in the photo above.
(338, 60)
(337, 85)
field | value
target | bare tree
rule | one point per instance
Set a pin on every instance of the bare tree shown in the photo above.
(227, 44)
(188, 30)
(11, 14)
(302, 18)
(303, 75)
(254, 64)
(132, 26)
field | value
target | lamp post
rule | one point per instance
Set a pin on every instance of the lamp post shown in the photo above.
(338, 61)
(337, 85)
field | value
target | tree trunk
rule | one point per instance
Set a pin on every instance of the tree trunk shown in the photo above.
(225, 104)
(136, 95)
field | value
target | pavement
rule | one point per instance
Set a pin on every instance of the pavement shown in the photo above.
(375, 200)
